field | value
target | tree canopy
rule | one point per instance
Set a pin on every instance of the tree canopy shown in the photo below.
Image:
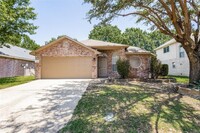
(131, 36)
(158, 38)
(53, 39)
(28, 43)
(179, 19)
(15, 16)
(106, 33)
(139, 38)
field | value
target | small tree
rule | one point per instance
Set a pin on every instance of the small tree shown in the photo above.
(155, 67)
(123, 68)
(164, 70)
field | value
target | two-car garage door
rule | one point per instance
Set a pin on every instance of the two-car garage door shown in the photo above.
(66, 67)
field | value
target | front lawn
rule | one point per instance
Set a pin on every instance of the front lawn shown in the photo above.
(136, 109)
(12, 81)
(181, 79)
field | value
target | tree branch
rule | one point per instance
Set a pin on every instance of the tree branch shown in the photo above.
(174, 18)
(158, 18)
(187, 24)
(162, 29)
(169, 13)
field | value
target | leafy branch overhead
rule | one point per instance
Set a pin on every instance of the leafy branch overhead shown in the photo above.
(165, 15)
(15, 16)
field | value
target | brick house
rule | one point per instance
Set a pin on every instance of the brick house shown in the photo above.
(16, 61)
(68, 58)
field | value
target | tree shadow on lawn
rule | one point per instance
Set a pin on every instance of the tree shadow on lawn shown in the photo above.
(171, 111)
(136, 109)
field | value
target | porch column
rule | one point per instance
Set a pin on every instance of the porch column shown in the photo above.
(94, 67)
(38, 65)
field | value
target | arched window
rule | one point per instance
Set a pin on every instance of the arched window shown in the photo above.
(115, 57)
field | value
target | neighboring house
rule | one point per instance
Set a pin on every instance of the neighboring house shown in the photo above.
(68, 58)
(16, 61)
(173, 54)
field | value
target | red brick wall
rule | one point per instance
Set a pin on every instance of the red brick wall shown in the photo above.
(143, 70)
(109, 53)
(140, 72)
(13, 67)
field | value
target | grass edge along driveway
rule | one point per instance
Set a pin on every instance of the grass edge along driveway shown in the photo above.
(136, 109)
(13, 81)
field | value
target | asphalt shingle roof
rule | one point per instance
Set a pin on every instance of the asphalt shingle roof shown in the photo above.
(16, 52)
(97, 43)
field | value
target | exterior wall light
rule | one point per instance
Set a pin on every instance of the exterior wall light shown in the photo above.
(24, 65)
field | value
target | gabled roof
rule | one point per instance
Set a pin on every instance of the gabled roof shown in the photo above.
(102, 45)
(170, 42)
(61, 39)
(16, 53)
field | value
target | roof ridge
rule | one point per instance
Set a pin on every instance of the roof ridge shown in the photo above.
(104, 42)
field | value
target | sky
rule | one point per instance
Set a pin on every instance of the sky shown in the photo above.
(68, 17)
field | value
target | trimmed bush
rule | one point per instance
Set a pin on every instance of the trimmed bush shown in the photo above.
(164, 70)
(123, 68)
(155, 67)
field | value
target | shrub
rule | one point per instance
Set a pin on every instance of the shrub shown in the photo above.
(123, 68)
(155, 67)
(196, 85)
(164, 70)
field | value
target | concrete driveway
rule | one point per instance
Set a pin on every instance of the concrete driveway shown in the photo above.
(39, 106)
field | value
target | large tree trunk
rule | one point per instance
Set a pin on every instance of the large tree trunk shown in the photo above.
(194, 70)
(194, 60)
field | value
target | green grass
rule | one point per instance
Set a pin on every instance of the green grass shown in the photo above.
(12, 81)
(136, 109)
(181, 79)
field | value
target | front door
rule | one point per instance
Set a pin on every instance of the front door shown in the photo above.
(102, 67)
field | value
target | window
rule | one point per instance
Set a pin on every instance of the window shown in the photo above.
(181, 52)
(173, 65)
(166, 49)
(135, 62)
(115, 57)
